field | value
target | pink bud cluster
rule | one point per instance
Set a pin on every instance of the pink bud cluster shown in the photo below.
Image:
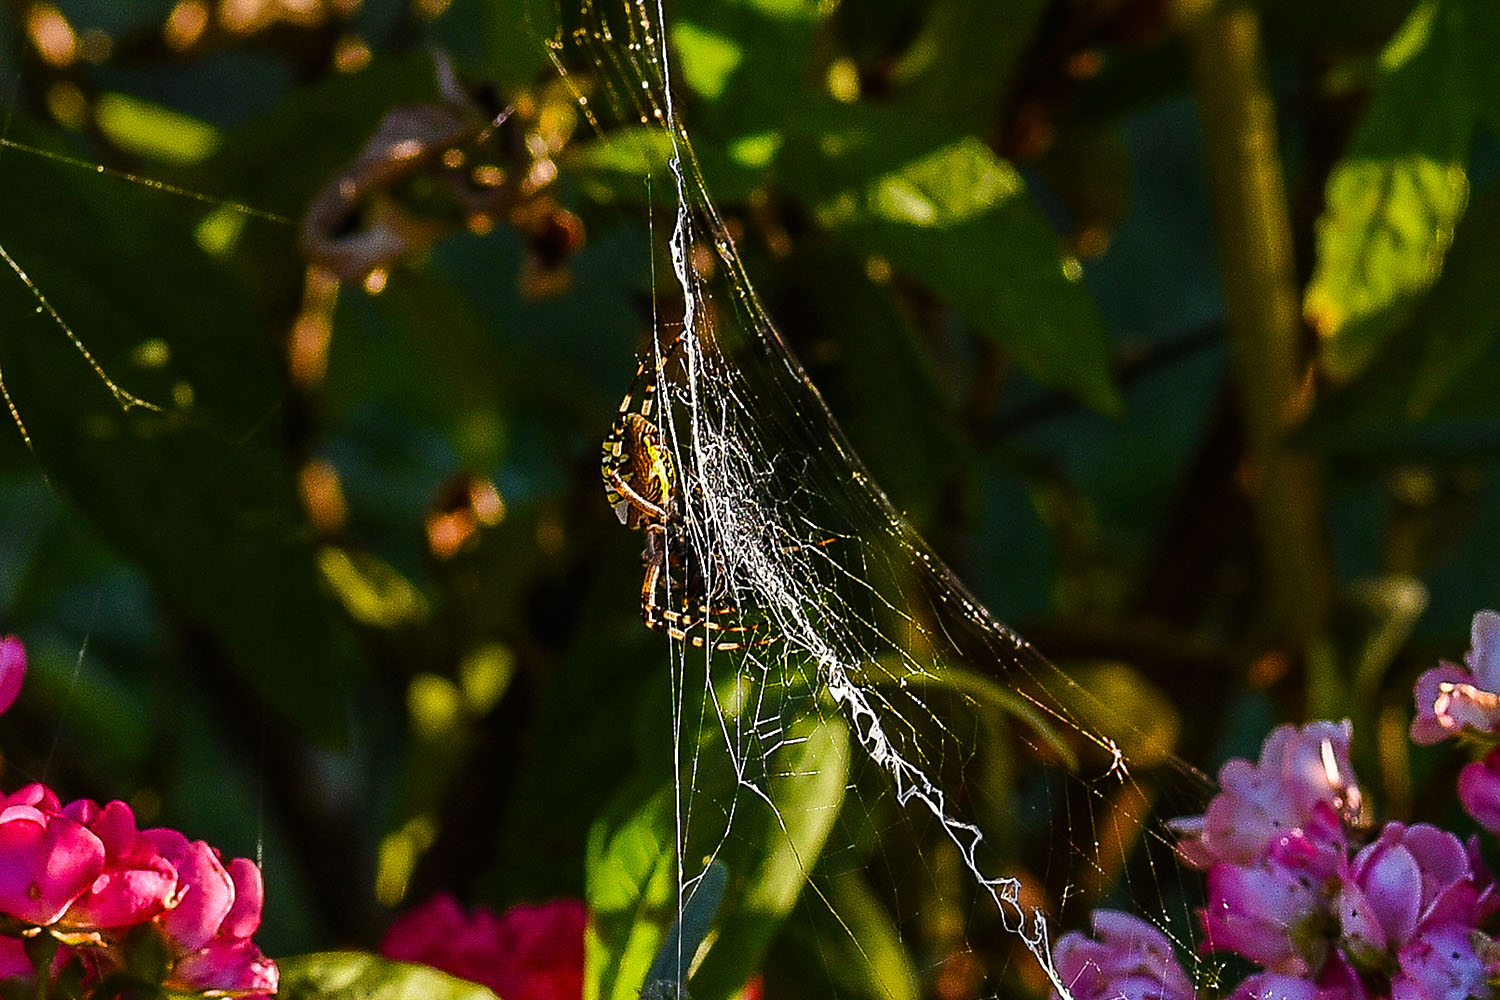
(107, 899)
(1295, 886)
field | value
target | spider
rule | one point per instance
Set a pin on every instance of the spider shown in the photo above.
(640, 482)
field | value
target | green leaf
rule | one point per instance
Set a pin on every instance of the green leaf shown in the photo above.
(961, 61)
(767, 856)
(1458, 320)
(632, 888)
(708, 57)
(688, 932)
(1393, 202)
(810, 777)
(1437, 361)
(945, 209)
(868, 956)
(357, 975)
(147, 129)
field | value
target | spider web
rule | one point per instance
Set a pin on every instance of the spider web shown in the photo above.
(862, 656)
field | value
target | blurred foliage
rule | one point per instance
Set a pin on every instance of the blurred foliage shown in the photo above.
(337, 586)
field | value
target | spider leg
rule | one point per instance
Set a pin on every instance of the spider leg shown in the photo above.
(630, 497)
(686, 625)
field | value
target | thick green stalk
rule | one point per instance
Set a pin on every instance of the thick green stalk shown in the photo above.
(1262, 308)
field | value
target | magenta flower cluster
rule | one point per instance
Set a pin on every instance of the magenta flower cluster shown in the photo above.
(1298, 886)
(93, 897)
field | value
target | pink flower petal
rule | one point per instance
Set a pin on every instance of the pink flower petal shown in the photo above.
(12, 670)
(1441, 964)
(1483, 658)
(1479, 790)
(1263, 913)
(233, 966)
(530, 953)
(1129, 959)
(46, 862)
(205, 892)
(249, 893)
(1388, 876)
(13, 961)
(137, 883)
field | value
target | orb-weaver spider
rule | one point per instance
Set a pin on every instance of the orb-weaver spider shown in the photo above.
(641, 484)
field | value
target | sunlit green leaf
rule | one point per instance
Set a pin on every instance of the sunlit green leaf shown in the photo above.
(878, 964)
(632, 869)
(354, 975)
(809, 781)
(1393, 202)
(147, 129)
(632, 890)
(948, 211)
(708, 57)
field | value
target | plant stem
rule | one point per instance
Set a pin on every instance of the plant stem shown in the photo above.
(1261, 301)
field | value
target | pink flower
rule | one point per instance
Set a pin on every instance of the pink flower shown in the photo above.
(15, 964)
(1451, 698)
(1278, 912)
(1444, 964)
(208, 926)
(46, 859)
(12, 670)
(1479, 790)
(137, 882)
(529, 953)
(1411, 907)
(1299, 770)
(1127, 958)
(87, 875)
(1337, 982)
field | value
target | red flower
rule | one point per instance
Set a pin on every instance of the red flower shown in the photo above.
(528, 953)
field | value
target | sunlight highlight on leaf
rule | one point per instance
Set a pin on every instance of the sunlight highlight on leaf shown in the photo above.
(1393, 202)
(949, 186)
(709, 58)
(952, 214)
(153, 131)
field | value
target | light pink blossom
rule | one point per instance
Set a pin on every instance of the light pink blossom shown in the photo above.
(1277, 912)
(1337, 982)
(1126, 958)
(1414, 900)
(1443, 963)
(1299, 769)
(1451, 698)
